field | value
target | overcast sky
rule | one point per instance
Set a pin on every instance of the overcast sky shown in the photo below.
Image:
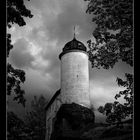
(38, 45)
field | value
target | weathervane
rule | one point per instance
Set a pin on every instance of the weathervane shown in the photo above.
(74, 31)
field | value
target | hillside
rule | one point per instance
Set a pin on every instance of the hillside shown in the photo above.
(103, 132)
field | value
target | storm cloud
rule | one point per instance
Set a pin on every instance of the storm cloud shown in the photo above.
(20, 56)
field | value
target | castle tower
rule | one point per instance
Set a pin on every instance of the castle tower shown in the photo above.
(75, 73)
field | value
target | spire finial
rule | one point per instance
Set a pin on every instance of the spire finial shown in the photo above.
(74, 31)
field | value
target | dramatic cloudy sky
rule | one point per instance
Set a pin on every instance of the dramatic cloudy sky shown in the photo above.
(38, 44)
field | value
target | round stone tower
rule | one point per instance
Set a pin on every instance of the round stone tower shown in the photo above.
(75, 73)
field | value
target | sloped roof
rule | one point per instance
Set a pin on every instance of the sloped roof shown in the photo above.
(52, 99)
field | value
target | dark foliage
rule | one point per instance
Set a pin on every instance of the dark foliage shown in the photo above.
(16, 11)
(116, 111)
(32, 127)
(116, 132)
(36, 118)
(15, 127)
(9, 45)
(14, 78)
(114, 41)
(113, 34)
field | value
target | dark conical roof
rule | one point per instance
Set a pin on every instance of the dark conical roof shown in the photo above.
(73, 45)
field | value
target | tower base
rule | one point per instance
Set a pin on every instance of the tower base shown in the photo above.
(71, 122)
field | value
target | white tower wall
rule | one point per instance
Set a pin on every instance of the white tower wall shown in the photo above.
(75, 78)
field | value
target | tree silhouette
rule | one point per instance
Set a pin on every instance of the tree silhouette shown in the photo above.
(113, 36)
(116, 111)
(16, 11)
(15, 127)
(33, 124)
(36, 118)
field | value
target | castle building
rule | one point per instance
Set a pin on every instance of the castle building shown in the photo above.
(74, 82)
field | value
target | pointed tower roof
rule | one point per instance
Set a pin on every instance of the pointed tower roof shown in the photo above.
(74, 44)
